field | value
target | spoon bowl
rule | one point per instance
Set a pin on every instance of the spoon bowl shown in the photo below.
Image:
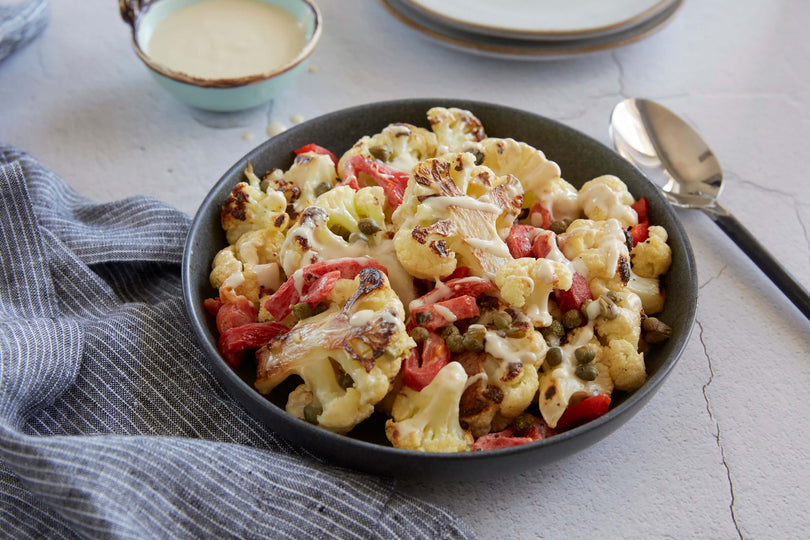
(674, 157)
(668, 151)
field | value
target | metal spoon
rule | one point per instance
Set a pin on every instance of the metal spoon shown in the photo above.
(675, 158)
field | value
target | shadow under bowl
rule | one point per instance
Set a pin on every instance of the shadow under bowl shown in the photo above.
(580, 157)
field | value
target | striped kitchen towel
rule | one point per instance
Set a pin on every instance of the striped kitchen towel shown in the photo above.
(112, 425)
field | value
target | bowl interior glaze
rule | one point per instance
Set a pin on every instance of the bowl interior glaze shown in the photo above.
(580, 158)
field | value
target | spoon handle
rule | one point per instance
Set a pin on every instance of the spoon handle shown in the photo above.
(772, 268)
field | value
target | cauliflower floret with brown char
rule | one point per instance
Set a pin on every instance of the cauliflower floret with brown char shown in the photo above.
(526, 284)
(477, 206)
(249, 208)
(400, 146)
(652, 257)
(347, 356)
(455, 129)
(598, 250)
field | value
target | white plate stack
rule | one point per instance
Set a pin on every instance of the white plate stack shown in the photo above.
(536, 29)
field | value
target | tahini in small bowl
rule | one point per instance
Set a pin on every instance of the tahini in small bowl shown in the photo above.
(365, 448)
(220, 94)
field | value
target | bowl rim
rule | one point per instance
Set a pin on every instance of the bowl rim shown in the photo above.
(131, 15)
(595, 429)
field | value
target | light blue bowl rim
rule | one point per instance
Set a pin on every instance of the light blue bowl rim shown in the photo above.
(131, 10)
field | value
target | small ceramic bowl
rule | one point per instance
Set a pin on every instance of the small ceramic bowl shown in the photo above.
(365, 448)
(227, 94)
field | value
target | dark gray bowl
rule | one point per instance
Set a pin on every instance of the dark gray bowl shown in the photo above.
(365, 448)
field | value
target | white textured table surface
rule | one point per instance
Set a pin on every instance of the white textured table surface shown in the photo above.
(722, 450)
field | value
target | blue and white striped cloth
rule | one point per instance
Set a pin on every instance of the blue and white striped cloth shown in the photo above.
(111, 423)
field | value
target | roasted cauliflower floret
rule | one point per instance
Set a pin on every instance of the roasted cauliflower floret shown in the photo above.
(455, 129)
(330, 228)
(346, 223)
(598, 250)
(249, 208)
(578, 367)
(626, 365)
(428, 420)
(539, 177)
(620, 317)
(347, 356)
(249, 266)
(310, 175)
(607, 197)
(502, 380)
(649, 290)
(475, 207)
(527, 283)
(652, 257)
(399, 145)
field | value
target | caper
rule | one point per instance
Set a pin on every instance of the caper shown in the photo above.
(584, 355)
(346, 381)
(380, 152)
(311, 413)
(615, 296)
(474, 338)
(322, 188)
(572, 319)
(554, 330)
(302, 310)
(609, 309)
(558, 227)
(501, 320)
(455, 343)
(340, 230)
(655, 331)
(419, 334)
(587, 372)
(368, 226)
(522, 424)
(554, 356)
(450, 330)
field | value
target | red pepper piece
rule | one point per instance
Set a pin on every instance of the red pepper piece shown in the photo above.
(318, 150)
(320, 289)
(440, 314)
(541, 246)
(459, 272)
(574, 297)
(508, 437)
(519, 241)
(452, 288)
(495, 441)
(212, 305)
(236, 313)
(586, 410)
(280, 302)
(418, 370)
(391, 180)
(641, 207)
(640, 232)
(234, 342)
(545, 216)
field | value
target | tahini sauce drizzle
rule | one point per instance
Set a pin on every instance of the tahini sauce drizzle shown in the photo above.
(227, 38)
